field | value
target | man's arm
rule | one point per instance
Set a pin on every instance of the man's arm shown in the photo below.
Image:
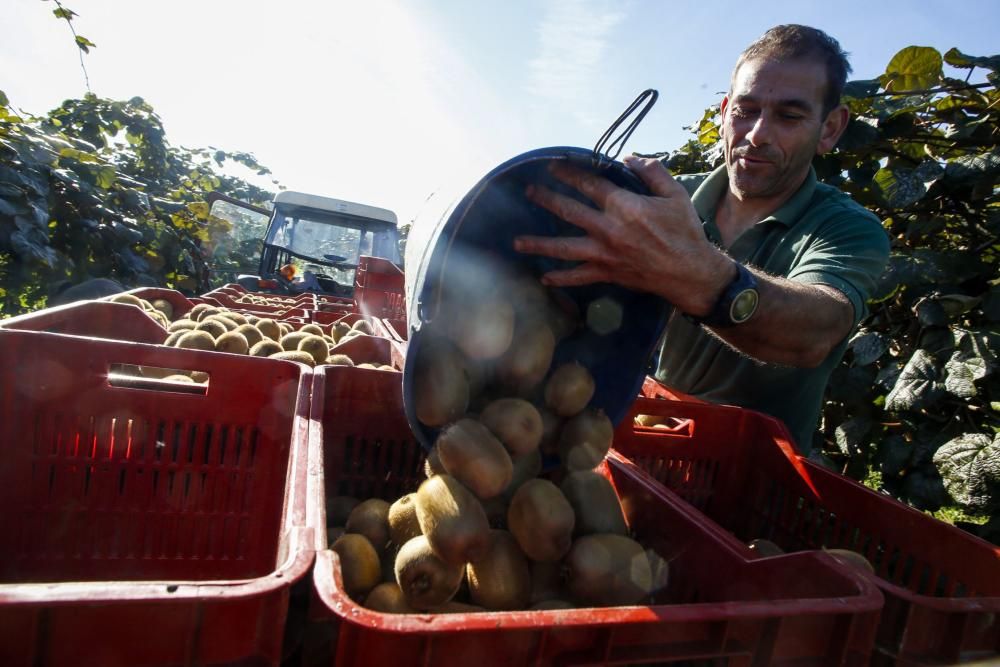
(656, 244)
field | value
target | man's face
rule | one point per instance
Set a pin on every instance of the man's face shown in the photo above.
(772, 124)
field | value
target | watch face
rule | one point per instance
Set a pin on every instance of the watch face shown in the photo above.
(744, 306)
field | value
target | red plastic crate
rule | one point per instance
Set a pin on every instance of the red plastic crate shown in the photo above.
(98, 319)
(941, 584)
(721, 607)
(144, 524)
(379, 288)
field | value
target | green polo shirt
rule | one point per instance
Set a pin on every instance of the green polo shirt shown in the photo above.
(819, 236)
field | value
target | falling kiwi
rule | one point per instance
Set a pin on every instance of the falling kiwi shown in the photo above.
(526, 466)
(388, 598)
(594, 503)
(359, 564)
(197, 340)
(569, 389)
(440, 386)
(402, 518)
(607, 571)
(524, 365)
(515, 422)
(542, 520)
(425, 579)
(433, 465)
(486, 328)
(315, 346)
(502, 579)
(474, 456)
(232, 342)
(551, 428)
(585, 439)
(453, 520)
(371, 519)
(266, 348)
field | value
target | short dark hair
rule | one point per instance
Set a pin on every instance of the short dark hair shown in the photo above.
(800, 42)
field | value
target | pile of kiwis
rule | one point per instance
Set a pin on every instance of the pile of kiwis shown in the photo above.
(488, 530)
(262, 300)
(219, 329)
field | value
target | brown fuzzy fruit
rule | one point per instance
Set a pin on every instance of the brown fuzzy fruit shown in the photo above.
(453, 520)
(427, 581)
(232, 342)
(515, 422)
(585, 439)
(359, 565)
(542, 520)
(473, 456)
(569, 389)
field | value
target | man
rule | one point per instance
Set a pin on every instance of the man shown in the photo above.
(769, 270)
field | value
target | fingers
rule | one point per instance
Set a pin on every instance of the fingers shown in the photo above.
(584, 274)
(654, 175)
(574, 248)
(566, 208)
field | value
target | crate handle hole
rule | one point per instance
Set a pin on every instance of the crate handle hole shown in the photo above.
(153, 378)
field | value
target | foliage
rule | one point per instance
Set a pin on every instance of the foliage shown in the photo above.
(917, 397)
(94, 189)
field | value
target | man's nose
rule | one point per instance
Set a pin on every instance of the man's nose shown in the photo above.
(760, 133)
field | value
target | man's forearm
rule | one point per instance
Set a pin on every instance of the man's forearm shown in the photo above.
(795, 324)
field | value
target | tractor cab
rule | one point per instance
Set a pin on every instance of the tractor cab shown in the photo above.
(313, 243)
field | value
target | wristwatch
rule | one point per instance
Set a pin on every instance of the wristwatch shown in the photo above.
(737, 303)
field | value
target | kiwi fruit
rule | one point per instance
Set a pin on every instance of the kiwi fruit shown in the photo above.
(265, 348)
(202, 314)
(364, 326)
(440, 386)
(426, 580)
(251, 333)
(360, 570)
(402, 517)
(388, 598)
(195, 313)
(182, 325)
(313, 329)
(285, 328)
(315, 346)
(164, 307)
(130, 299)
(198, 376)
(852, 558)
(232, 342)
(551, 428)
(515, 422)
(223, 320)
(526, 466)
(569, 389)
(197, 340)
(367, 365)
(453, 520)
(432, 464)
(496, 511)
(607, 571)
(371, 519)
(339, 360)
(659, 572)
(212, 327)
(585, 440)
(339, 330)
(171, 340)
(239, 318)
(300, 357)
(338, 508)
(179, 378)
(594, 503)
(764, 548)
(473, 456)
(546, 582)
(502, 579)
(290, 341)
(268, 328)
(524, 365)
(542, 520)
(649, 421)
(485, 328)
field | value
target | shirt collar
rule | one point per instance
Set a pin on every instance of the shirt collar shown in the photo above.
(706, 197)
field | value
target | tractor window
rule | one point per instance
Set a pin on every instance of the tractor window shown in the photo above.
(320, 240)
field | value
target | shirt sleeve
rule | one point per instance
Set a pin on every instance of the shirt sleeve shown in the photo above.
(848, 252)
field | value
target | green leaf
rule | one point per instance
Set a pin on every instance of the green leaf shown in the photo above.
(961, 374)
(970, 468)
(3, 99)
(850, 435)
(918, 384)
(861, 88)
(899, 187)
(63, 13)
(969, 169)
(913, 68)
(78, 155)
(105, 177)
(956, 58)
(84, 43)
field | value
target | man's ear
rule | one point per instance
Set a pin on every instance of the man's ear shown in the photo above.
(833, 126)
(722, 114)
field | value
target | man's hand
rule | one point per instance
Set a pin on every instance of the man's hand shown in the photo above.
(648, 243)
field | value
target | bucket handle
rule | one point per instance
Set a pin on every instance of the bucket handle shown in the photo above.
(602, 150)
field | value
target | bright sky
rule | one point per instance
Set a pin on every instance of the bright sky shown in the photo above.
(386, 101)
